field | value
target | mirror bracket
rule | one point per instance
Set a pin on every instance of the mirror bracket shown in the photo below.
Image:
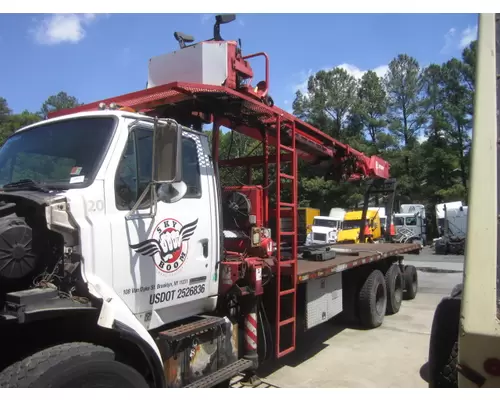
(176, 181)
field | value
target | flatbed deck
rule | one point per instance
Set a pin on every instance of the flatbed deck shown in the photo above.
(367, 252)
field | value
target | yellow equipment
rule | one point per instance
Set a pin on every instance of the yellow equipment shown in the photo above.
(350, 229)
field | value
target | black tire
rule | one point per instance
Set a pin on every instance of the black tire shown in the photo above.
(71, 365)
(394, 283)
(443, 346)
(411, 282)
(448, 375)
(372, 300)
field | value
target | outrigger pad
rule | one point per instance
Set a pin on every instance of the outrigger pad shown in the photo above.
(182, 36)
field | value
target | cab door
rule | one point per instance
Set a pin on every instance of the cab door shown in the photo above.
(163, 264)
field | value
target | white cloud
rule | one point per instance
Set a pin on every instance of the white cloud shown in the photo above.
(468, 35)
(61, 28)
(449, 39)
(302, 78)
(206, 17)
(453, 42)
(353, 70)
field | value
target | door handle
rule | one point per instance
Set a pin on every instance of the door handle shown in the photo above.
(204, 244)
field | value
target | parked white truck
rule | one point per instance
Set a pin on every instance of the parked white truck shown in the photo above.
(441, 215)
(452, 226)
(410, 224)
(325, 229)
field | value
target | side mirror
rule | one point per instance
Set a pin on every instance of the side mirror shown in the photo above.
(172, 192)
(167, 152)
(167, 167)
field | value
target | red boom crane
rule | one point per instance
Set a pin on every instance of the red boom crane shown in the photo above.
(227, 98)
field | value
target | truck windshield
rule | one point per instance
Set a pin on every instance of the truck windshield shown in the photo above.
(399, 221)
(354, 224)
(59, 154)
(328, 223)
(411, 221)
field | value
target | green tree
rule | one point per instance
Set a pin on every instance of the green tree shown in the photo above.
(57, 102)
(9, 122)
(403, 84)
(4, 108)
(457, 98)
(404, 88)
(330, 97)
(371, 108)
(469, 55)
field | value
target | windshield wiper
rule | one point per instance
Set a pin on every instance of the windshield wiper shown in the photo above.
(26, 184)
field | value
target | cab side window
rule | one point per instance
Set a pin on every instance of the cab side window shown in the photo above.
(134, 171)
(191, 168)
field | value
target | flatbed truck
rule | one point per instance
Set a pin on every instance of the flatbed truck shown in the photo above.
(126, 263)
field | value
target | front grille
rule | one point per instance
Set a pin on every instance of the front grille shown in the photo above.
(319, 236)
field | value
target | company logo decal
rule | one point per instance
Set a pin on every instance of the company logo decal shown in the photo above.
(169, 244)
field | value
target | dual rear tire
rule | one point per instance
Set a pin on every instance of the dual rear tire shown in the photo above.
(382, 294)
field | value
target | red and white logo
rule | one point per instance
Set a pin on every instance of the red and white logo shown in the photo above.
(169, 244)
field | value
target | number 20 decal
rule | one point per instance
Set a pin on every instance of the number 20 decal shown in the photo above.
(95, 205)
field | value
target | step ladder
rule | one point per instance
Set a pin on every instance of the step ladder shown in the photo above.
(194, 328)
(286, 297)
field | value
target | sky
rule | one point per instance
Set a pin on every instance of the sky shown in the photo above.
(96, 56)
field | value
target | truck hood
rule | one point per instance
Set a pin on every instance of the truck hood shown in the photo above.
(41, 198)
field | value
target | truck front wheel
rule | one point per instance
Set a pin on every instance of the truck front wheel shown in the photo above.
(72, 365)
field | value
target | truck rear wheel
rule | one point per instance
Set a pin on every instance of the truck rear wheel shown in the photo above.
(372, 300)
(394, 284)
(72, 365)
(411, 282)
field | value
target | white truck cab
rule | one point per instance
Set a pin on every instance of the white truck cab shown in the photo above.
(93, 172)
(325, 229)
(441, 212)
(410, 224)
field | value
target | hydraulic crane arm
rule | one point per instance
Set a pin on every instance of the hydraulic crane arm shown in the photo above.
(193, 102)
